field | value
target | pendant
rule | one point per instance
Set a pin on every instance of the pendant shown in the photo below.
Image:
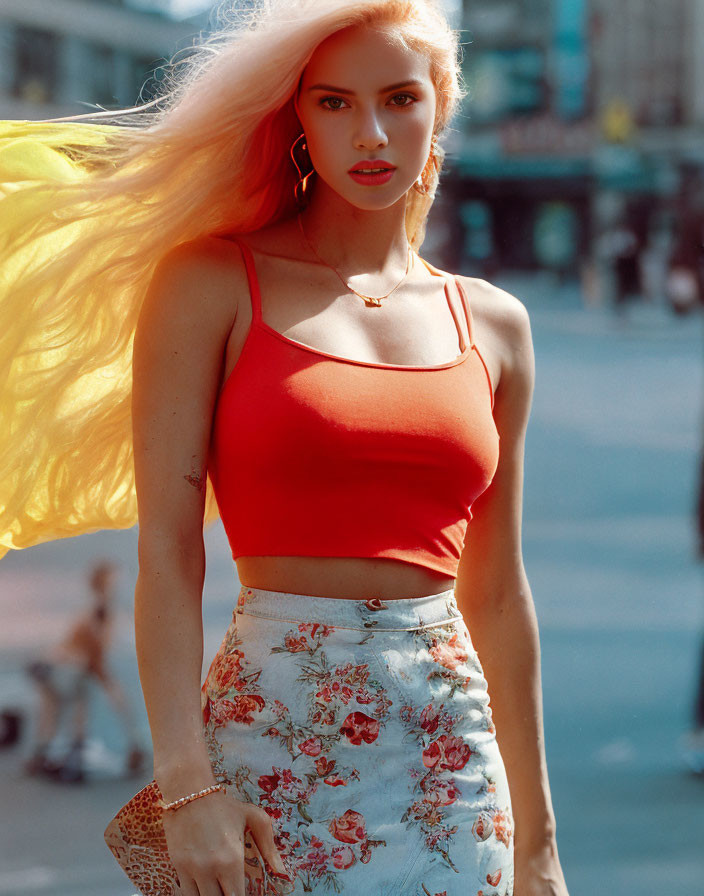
(370, 301)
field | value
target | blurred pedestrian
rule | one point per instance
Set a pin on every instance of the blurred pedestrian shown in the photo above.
(685, 292)
(685, 281)
(626, 248)
(345, 484)
(62, 678)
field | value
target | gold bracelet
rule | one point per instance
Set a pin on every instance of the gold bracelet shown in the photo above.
(176, 804)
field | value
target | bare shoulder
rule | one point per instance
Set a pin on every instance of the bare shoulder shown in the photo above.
(177, 362)
(497, 313)
(502, 327)
(204, 271)
(503, 330)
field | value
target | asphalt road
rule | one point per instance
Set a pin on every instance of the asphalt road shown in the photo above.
(609, 550)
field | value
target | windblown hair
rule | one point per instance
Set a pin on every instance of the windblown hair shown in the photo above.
(87, 210)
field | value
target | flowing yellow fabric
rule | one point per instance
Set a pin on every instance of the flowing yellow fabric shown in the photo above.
(66, 457)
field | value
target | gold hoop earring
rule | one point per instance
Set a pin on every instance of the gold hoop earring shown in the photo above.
(420, 185)
(302, 162)
(423, 182)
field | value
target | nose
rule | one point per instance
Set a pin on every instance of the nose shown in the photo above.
(370, 134)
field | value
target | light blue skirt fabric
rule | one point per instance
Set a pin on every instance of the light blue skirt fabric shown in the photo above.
(363, 728)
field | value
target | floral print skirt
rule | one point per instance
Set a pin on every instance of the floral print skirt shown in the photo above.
(363, 728)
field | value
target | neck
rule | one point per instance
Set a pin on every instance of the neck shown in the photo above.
(353, 240)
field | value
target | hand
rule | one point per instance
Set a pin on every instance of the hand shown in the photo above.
(206, 837)
(538, 872)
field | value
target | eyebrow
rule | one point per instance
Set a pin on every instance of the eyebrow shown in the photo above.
(412, 83)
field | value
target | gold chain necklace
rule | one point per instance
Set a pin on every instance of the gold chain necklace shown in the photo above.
(370, 301)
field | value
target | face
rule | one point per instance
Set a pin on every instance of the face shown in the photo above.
(364, 99)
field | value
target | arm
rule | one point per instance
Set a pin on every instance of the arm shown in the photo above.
(181, 336)
(177, 357)
(494, 596)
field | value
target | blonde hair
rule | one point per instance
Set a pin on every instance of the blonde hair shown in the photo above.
(87, 210)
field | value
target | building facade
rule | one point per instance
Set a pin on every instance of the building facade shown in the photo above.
(581, 115)
(64, 57)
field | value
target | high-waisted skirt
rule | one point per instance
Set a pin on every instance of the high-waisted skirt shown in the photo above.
(363, 728)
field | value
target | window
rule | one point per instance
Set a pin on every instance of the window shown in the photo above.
(35, 74)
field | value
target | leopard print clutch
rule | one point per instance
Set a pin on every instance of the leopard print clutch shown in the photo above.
(136, 838)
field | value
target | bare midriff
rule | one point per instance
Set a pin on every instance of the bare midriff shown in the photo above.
(351, 578)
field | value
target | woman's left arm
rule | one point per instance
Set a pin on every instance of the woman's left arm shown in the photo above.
(494, 596)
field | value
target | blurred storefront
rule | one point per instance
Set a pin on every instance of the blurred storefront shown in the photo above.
(527, 188)
(581, 118)
(59, 57)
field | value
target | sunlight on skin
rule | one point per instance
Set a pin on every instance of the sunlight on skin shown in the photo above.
(355, 224)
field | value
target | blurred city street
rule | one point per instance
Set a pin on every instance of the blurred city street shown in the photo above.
(573, 178)
(609, 550)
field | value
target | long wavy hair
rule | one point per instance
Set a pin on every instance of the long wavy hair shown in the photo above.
(88, 209)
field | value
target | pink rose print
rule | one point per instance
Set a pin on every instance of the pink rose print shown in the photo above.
(502, 827)
(483, 826)
(339, 695)
(439, 792)
(358, 727)
(311, 747)
(320, 717)
(449, 653)
(226, 671)
(342, 857)
(219, 712)
(315, 627)
(447, 752)
(324, 766)
(296, 645)
(316, 860)
(269, 783)
(348, 828)
(336, 689)
(335, 781)
(345, 682)
(273, 811)
(240, 709)
(406, 713)
(430, 719)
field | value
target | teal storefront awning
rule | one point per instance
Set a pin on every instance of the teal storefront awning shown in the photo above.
(522, 167)
(633, 174)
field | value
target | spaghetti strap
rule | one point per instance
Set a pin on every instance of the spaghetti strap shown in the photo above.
(455, 317)
(470, 324)
(467, 310)
(254, 293)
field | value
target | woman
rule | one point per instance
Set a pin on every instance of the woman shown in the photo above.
(62, 679)
(295, 360)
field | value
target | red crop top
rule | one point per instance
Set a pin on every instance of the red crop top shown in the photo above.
(320, 456)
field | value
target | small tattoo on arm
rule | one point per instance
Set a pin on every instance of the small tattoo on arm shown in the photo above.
(196, 478)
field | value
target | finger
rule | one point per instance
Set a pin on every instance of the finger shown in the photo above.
(262, 830)
(211, 886)
(232, 880)
(260, 875)
(232, 883)
(187, 886)
(254, 865)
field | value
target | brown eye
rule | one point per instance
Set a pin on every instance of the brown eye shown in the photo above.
(333, 99)
(404, 96)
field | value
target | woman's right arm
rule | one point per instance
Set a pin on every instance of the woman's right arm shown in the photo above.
(178, 352)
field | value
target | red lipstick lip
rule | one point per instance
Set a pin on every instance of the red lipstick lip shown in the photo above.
(372, 163)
